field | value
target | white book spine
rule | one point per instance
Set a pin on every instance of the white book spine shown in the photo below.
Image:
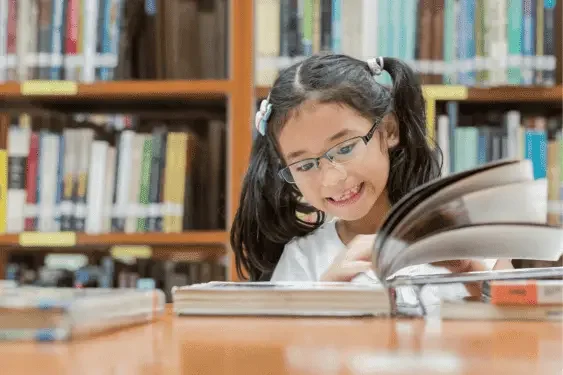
(22, 32)
(49, 151)
(444, 142)
(133, 211)
(96, 187)
(512, 128)
(90, 18)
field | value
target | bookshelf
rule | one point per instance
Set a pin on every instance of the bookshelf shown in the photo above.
(237, 94)
(170, 97)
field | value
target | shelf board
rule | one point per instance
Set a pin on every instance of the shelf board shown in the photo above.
(113, 96)
(109, 239)
(496, 94)
(516, 94)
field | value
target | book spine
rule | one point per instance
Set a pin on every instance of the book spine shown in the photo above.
(536, 292)
(31, 184)
(57, 39)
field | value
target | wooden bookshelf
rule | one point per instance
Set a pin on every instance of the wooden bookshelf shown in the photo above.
(235, 94)
(53, 90)
(493, 94)
(109, 239)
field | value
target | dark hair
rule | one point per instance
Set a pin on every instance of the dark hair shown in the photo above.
(266, 218)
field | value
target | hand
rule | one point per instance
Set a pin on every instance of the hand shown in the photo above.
(459, 266)
(466, 265)
(355, 259)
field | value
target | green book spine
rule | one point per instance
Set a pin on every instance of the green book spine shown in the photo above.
(145, 183)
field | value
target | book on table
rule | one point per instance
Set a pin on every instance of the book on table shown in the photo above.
(29, 313)
(495, 211)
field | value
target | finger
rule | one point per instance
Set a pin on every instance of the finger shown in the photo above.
(503, 264)
(349, 270)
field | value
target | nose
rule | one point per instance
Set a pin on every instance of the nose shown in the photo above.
(331, 174)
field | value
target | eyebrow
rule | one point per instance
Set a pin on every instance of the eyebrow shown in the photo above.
(333, 137)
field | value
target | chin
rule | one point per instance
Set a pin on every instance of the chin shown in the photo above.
(354, 205)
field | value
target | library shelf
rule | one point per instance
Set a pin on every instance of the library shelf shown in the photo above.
(71, 239)
(210, 89)
(496, 94)
(516, 94)
(140, 97)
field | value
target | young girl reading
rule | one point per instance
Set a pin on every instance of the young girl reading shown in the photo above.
(331, 135)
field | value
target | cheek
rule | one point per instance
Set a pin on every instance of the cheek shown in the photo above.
(375, 165)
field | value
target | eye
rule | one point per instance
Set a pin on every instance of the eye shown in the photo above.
(346, 149)
(304, 167)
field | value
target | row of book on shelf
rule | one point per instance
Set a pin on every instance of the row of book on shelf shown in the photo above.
(469, 141)
(84, 178)
(68, 270)
(468, 42)
(91, 40)
(56, 39)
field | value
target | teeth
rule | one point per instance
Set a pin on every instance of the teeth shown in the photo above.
(347, 194)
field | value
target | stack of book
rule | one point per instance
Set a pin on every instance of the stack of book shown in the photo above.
(59, 314)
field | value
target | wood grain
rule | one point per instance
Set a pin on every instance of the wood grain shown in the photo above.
(241, 104)
(272, 346)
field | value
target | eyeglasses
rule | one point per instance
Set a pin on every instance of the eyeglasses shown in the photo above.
(342, 153)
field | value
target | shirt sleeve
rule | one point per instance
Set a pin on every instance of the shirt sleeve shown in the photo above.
(293, 265)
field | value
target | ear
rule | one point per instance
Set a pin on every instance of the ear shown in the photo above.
(391, 126)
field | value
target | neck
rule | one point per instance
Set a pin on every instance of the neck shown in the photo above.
(368, 224)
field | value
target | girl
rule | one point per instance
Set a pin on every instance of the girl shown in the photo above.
(351, 148)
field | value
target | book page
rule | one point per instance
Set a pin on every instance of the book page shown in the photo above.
(497, 240)
(493, 205)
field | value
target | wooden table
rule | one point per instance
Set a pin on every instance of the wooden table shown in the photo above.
(271, 346)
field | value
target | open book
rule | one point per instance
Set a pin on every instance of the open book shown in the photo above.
(495, 211)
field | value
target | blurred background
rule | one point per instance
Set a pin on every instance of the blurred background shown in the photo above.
(126, 125)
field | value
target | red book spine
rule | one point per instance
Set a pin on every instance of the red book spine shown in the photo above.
(31, 183)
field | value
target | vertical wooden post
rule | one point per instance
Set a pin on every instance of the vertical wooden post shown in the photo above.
(241, 104)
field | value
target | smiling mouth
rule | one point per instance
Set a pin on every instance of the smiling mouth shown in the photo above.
(348, 197)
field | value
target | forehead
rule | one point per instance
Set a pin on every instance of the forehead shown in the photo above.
(318, 126)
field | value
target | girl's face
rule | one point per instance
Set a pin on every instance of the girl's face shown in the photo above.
(348, 190)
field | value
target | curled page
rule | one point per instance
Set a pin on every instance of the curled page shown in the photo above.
(496, 240)
(524, 202)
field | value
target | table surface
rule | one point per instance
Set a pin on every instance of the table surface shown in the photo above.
(327, 346)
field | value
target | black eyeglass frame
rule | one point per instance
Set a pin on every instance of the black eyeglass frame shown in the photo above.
(365, 138)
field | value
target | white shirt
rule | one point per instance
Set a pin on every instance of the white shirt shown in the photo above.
(307, 258)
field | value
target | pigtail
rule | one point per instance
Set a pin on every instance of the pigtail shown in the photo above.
(266, 219)
(413, 162)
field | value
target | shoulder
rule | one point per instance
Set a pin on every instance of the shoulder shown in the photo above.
(304, 258)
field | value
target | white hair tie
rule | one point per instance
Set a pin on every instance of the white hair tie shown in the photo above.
(375, 65)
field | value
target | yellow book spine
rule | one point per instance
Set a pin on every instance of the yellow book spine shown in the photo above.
(180, 186)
